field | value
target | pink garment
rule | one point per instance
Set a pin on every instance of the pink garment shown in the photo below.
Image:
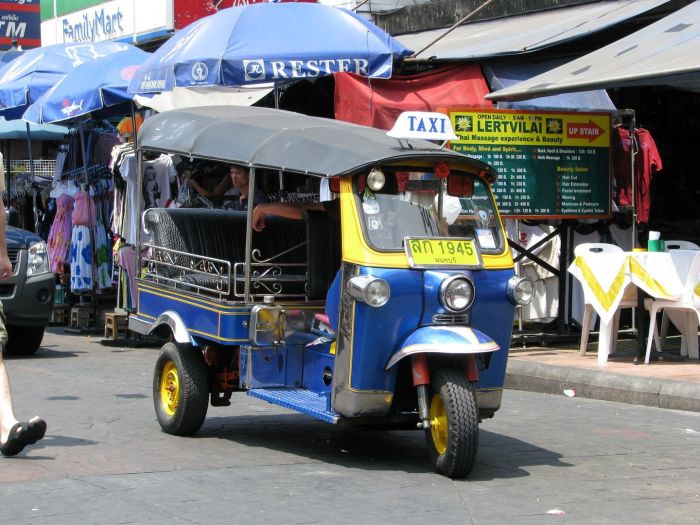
(83, 203)
(60, 234)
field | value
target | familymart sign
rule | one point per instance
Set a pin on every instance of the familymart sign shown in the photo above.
(113, 20)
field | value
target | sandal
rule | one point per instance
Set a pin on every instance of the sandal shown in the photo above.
(35, 430)
(16, 440)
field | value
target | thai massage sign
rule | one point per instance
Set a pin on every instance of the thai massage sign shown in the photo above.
(550, 165)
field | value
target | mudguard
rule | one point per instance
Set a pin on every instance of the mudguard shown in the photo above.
(176, 325)
(444, 340)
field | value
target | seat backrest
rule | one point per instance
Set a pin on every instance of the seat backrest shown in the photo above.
(692, 281)
(596, 247)
(323, 253)
(681, 245)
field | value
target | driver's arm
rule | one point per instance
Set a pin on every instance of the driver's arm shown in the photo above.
(288, 210)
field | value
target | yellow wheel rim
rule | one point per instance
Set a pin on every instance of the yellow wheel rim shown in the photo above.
(438, 424)
(169, 388)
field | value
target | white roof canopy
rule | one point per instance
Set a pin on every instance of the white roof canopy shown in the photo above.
(666, 52)
(525, 33)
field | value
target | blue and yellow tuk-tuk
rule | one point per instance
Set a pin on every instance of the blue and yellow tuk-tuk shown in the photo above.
(391, 303)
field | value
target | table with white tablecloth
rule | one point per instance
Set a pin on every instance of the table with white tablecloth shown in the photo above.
(605, 276)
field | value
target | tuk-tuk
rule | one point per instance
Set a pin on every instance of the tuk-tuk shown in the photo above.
(395, 311)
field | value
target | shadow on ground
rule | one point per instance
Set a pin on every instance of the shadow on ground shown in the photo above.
(500, 456)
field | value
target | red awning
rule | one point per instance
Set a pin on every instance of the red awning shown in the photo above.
(378, 103)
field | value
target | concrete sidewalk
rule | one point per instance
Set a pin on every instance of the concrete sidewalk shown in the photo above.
(670, 383)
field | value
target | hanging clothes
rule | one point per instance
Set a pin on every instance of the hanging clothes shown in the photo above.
(60, 233)
(647, 161)
(81, 258)
(158, 175)
(81, 270)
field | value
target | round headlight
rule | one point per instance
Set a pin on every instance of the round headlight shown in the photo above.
(457, 293)
(370, 290)
(520, 290)
(376, 180)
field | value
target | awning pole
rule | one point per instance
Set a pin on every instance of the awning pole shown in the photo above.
(457, 24)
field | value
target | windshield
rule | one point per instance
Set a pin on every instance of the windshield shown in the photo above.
(407, 206)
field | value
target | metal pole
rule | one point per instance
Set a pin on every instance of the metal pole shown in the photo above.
(31, 173)
(249, 235)
(139, 204)
(91, 226)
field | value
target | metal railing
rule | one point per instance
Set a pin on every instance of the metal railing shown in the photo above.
(42, 168)
(197, 273)
(213, 277)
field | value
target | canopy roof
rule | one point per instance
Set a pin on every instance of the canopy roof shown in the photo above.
(276, 139)
(17, 130)
(525, 33)
(663, 53)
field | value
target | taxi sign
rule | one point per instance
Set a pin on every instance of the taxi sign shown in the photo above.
(442, 253)
(422, 125)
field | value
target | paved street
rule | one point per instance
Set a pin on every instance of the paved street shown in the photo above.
(105, 459)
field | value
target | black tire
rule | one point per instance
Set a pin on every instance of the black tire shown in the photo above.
(180, 389)
(23, 340)
(454, 443)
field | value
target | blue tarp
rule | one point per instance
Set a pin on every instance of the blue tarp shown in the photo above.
(501, 74)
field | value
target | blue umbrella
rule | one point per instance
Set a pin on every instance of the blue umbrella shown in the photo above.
(269, 42)
(27, 77)
(96, 86)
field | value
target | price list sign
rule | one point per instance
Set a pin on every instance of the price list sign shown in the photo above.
(549, 164)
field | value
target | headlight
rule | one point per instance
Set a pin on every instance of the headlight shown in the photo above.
(520, 290)
(457, 293)
(369, 290)
(38, 259)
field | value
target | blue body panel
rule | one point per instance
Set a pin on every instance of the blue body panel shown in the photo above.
(378, 332)
(209, 319)
(493, 314)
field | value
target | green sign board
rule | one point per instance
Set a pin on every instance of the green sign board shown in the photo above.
(550, 165)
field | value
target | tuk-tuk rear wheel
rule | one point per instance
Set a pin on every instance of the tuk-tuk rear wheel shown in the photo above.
(453, 436)
(180, 389)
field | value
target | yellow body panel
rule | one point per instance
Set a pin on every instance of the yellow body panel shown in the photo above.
(357, 251)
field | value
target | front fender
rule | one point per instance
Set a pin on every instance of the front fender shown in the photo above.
(444, 340)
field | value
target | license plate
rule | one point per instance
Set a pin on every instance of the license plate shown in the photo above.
(447, 253)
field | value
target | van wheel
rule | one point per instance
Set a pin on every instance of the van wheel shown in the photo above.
(23, 340)
(453, 436)
(180, 389)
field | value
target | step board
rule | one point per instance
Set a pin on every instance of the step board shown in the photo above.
(299, 399)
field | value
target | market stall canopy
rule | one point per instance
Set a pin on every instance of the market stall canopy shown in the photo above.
(282, 140)
(269, 42)
(17, 130)
(27, 77)
(502, 73)
(95, 86)
(663, 53)
(525, 33)
(180, 97)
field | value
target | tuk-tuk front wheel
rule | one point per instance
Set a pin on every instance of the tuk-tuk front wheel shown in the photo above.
(453, 436)
(180, 389)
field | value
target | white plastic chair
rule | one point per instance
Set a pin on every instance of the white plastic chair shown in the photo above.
(681, 245)
(689, 307)
(660, 338)
(629, 299)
